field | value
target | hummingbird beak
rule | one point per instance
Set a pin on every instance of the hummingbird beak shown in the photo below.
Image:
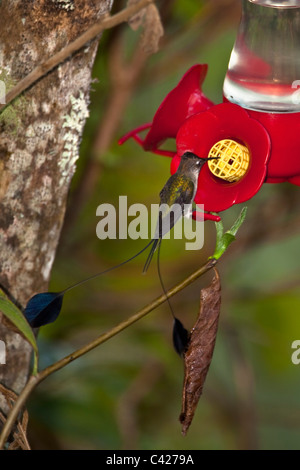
(209, 158)
(204, 159)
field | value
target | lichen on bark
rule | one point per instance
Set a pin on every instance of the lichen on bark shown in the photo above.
(40, 134)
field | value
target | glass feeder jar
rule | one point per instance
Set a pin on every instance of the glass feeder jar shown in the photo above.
(264, 67)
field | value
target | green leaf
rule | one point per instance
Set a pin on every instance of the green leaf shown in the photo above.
(234, 229)
(223, 244)
(11, 311)
(223, 240)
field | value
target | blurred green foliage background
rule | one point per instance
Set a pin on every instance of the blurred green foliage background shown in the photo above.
(127, 393)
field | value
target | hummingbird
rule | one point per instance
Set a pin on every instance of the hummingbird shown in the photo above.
(176, 198)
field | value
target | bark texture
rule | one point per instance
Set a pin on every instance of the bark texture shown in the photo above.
(40, 134)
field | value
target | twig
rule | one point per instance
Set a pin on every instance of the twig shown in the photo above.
(45, 67)
(35, 380)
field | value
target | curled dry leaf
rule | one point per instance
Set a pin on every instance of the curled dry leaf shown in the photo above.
(198, 355)
(149, 18)
(153, 30)
(136, 20)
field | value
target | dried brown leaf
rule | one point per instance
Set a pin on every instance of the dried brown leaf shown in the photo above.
(136, 20)
(199, 353)
(153, 30)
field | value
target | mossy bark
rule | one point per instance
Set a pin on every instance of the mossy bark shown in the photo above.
(40, 134)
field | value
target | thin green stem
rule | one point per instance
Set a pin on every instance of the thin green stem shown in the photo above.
(35, 380)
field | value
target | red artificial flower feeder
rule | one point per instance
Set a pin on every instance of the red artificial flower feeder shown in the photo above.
(254, 145)
(185, 100)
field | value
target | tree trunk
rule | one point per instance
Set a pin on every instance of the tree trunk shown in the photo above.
(40, 135)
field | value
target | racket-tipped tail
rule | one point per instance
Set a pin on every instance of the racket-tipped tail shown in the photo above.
(155, 243)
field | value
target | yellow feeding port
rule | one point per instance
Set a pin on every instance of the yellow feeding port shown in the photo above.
(233, 160)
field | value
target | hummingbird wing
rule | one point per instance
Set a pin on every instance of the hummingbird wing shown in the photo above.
(177, 192)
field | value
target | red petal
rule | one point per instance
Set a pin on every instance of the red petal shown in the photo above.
(182, 102)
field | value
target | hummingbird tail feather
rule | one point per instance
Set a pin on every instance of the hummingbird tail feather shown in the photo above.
(107, 270)
(161, 280)
(150, 256)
